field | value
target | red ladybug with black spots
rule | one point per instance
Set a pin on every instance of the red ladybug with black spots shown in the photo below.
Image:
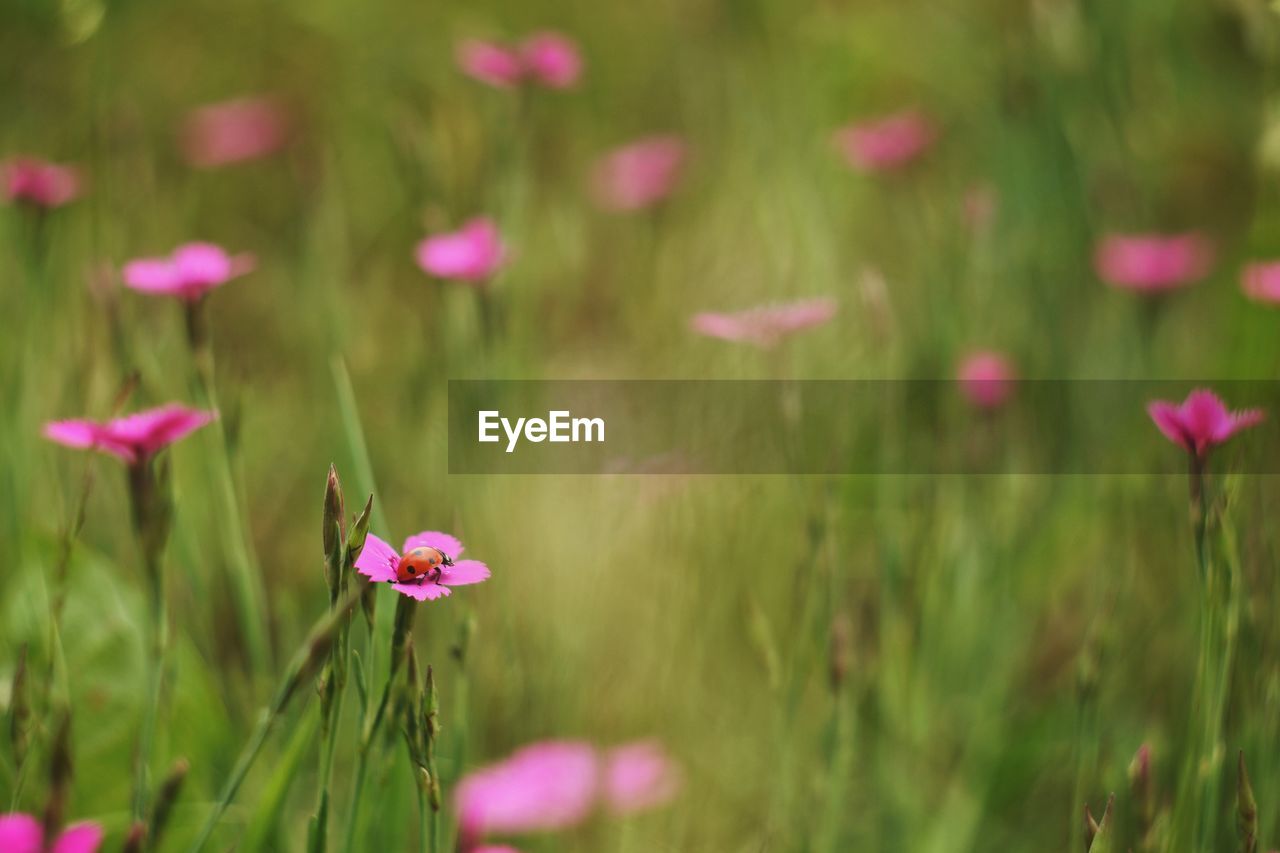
(421, 564)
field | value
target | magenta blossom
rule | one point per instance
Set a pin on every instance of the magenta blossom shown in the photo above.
(887, 143)
(640, 174)
(986, 378)
(38, 182)
(20, 833)
(546, 57)
(192, 270)
(768, 325)
(1153, 263)
(490, 63)
(493, 848)
(133, 438)
(638, 777)
(473, 253)
(552, 59)
(378, 562)
(234, 131)
(543, 786)
(1261, 282)
(1202, 421)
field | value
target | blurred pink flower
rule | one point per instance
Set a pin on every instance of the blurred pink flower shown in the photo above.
(192, 270)
(473, 253)
(493, 848)
(552, 59)
(39, 182)
(234, 131)
(132, 438)
(886, 143)
(768, 325)
(1202, 421)
(543, 786)
(1261, 282)
(640, 174)
(1153, 263)
(20, 833)
(490, 62)
(378, 562)
(986, 378)
(638, 777)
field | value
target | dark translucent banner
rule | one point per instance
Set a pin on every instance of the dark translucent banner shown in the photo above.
(851, 427)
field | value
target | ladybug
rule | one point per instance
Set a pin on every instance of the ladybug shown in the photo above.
(421, 564)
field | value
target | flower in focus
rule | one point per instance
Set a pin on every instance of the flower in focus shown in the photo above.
(133, 438)
(543, 786)
(1261, 282)
(638, 777)
(490, 63)
(1153, 263)
(887, 143)
(188, 273)
(766, 326)
(38, 182)
(986, 379)
(378, 562)
(1201, 422)
(546, 57)
(20, 833)
(552, 59)
(473, 253)
(234, 131)
(640, 174)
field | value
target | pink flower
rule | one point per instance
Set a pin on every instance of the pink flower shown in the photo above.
(552, 59)
(1261, 282)
(638, 777)
(234, 131)
(378, 562)
(473, 253)
(39, 182)
(490, 63)
(1202, 422)
(766, 326)
(886, 143)
(133, 438)
(20, 833)
(192, 270)
(986, 379)
(543, 786)
(493, 848)
(640, 174)
(1152, 263)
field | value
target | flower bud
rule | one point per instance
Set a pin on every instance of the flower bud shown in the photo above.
(1246, 809)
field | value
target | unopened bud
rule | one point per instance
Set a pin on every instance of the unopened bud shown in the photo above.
(1143, 791)
(170, 789)
(136, 839)
(334, 516)
(20, 711)
(1246, 809)
(60, 770)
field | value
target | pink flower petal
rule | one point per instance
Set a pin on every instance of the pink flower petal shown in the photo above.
(234, 131)
(188, 273)
(423, 591)
(377, 560)
(20, 833)
(1168, 419)
(79, 838)
(1153, 263)
(640, 174)
(1261, 282)
(552, 59)
(765, 326)
(986, 379)
(886, 143)
(38, 182)
(151, 275)
(544, 786)
(152, 430)
(464, 572)
(493, 848)
(638, 777)
(474, 253)
(434, 539)
(490, 63)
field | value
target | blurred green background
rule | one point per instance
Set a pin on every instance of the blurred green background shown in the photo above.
(1010, 642)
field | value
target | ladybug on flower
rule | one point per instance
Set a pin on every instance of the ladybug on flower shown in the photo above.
(424, 569)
